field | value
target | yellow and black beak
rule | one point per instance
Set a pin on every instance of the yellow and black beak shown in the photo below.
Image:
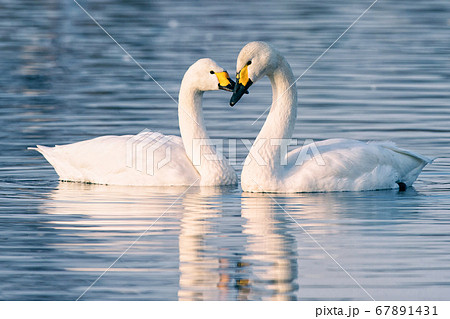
(225, 83)
(242, 85)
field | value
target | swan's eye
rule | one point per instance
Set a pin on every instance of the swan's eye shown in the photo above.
(212, 72)
(249, 62)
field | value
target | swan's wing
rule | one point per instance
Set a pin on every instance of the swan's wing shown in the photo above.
(393, 147)
(148, 158)
(340, 164)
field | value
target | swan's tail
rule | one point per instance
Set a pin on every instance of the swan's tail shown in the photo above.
(50, 155)
(44, 150)
(393, 147)
(47, 152)
(410, 166)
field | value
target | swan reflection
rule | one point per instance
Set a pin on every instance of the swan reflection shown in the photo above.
(210, 262)
(270, 250)
(207, 243)
(97, 223)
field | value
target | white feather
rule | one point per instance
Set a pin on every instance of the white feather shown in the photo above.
(111, 159)
(338, 165)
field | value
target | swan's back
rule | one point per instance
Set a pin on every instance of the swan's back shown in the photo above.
(350, 165)
(107, 160)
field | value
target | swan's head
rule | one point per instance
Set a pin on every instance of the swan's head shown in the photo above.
(207, 75)
(255, 60)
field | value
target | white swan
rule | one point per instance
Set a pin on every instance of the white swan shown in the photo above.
(348, 165)
(150, 158)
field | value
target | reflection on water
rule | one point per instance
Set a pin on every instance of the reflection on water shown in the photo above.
(99, 223)
(209, 270)
(63, 80)
(271, 250)
(266, 266)
(201, 246)
(198, 269)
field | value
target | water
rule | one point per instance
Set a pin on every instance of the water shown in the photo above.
(63, 80)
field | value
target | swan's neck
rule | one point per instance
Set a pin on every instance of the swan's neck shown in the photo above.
(209, 162)
(271, 143)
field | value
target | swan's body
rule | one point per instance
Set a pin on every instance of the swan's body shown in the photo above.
(343, 165)
(150, 158)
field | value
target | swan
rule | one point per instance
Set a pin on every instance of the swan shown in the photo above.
(338, 165)
(151, 158)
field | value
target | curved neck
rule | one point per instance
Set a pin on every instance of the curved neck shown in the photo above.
(190, 117)
(271, 143)
(200, 149)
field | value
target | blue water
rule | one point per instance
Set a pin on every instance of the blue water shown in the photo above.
(64, 80)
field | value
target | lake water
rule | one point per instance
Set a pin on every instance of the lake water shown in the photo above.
(64, 80)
